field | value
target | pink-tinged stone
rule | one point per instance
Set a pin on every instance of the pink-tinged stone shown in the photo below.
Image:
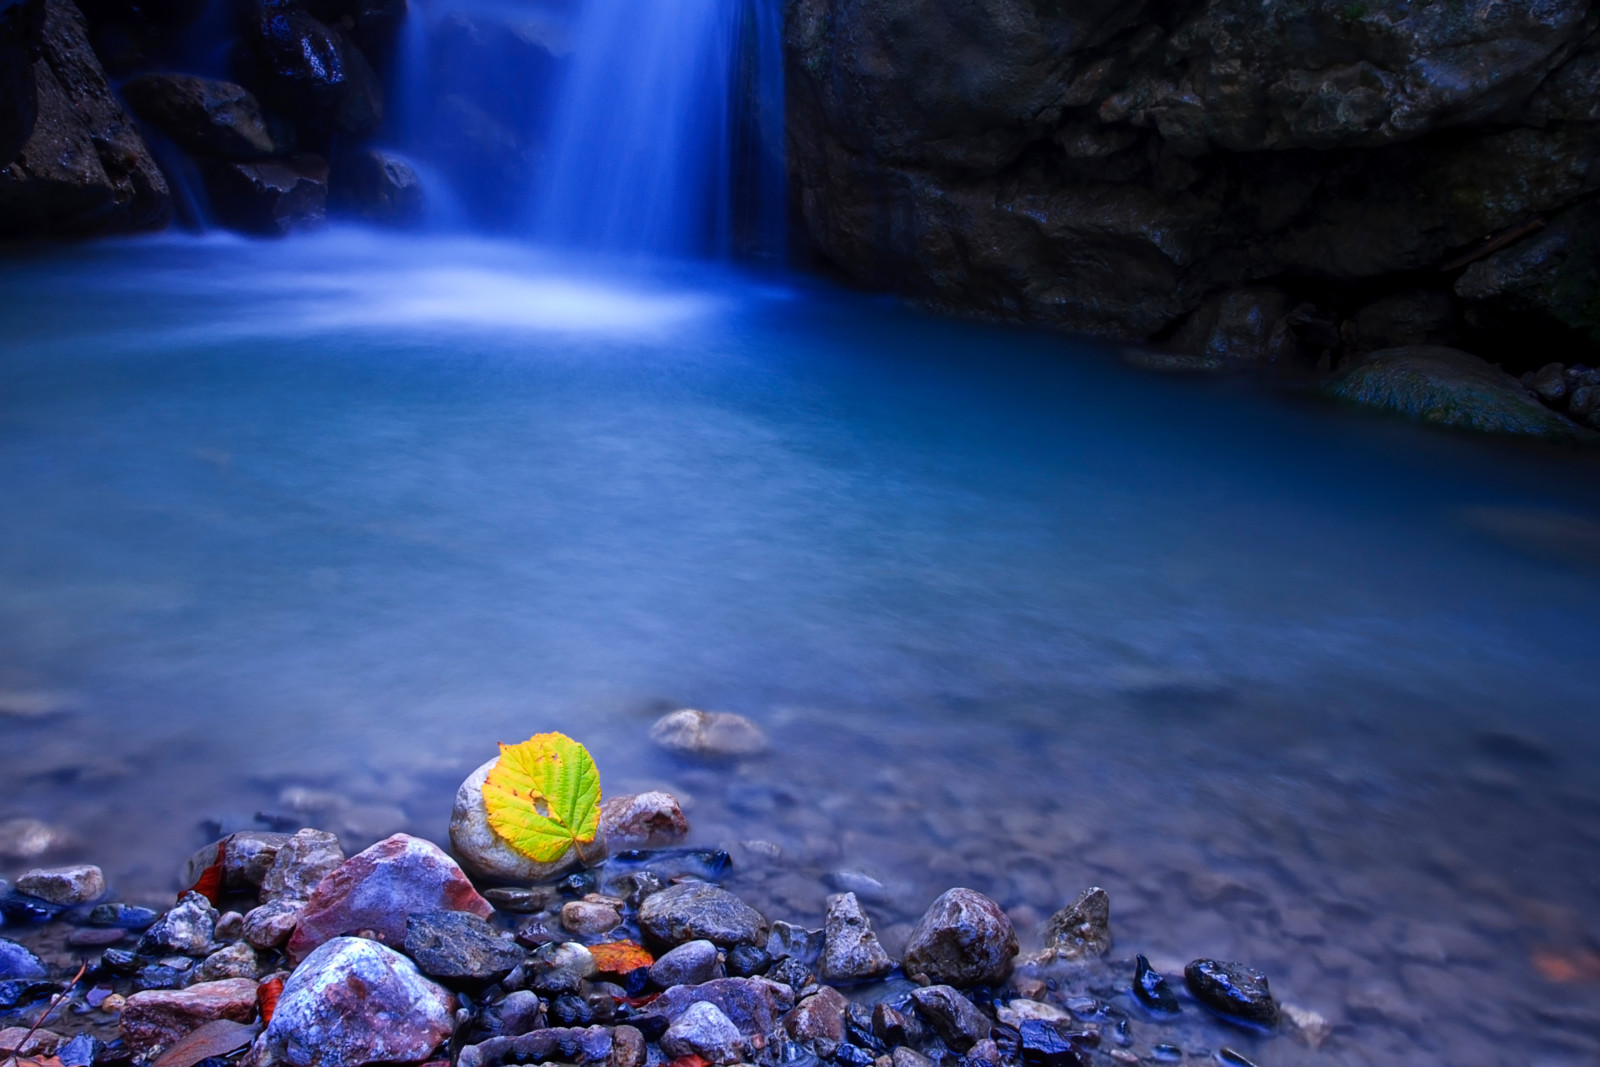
(373, 892)
(157, 1018)
(652, 818)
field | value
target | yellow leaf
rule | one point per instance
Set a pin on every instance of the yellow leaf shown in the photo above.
(543, 797)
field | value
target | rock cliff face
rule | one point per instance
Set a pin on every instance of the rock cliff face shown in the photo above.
(1290, 180)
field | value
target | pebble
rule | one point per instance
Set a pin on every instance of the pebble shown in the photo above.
(1082, 929)
(270, 925)
(627, 1048)
(691, 963)
(484, 853)
(82, 1051)
(589, 919)
(185, 930)
(66, 886)
(652, 818)
(377, 889)
(559, 967)
(819, 1021)
(1152, 990)
(569, 1009)
(909, 1057)
(708, 734)
(850, 950)
(787, 940)
(230, 926)
(95, 937)
(519, 1012)
(696, 911)
(22, 1041)
(299, 864)
(1021, 1010)
(894, 1027)
(755, 1005)
(238, 960)
(591, 1044)
(459, 946)
(247, 856)
(520, 900)
(352, 1002)
(747, 961)
(703, 1030)
(1232, 989)
(19, 962)
(126, 916)
(1048, 1044)
(1308, 1025)
(963, 939)
(952, 1016)
(154, 1019)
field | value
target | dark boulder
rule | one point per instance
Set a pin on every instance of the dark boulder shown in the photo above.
(273, 197)
(1232, 989)
(83, 169)
(21, 22)
(202, 116)
(376, 186)
(315, 72)
(1543, 287)
(1409, 317)
(459, 946)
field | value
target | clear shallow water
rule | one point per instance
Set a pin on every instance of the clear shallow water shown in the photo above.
(307, 527)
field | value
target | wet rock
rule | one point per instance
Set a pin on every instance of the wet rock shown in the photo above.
(20, 26)
(1448, 387)
(569, 1009)
(1232, 989)
(591, 1044)
(963, 939)
(126, 916)
(1550, 384)
(1247, 325)
(708, 734)
(792, 973)
(589, 919)
(96, 937)
(17, 962)
(1047, 1044)
(690, 963)
(238, 960)
(850, 950)
(298, 864)
(787, 941)
(697, 911)
(155, 1019)
(1413, 317)
(353, 1002)
(517, 1013)
(271, 198)
(185, 930)
(377, 889)
(754, 1005)
(202, 116)
(1082, 929)
(230, 926)
(555, 968)
(315, 72)
(1539, 290)
(1019, 1011)
(83, 1050)
(270, 925)
(703, 1030)
(633, 819)
(521, 900)
(1151, 989)
(25, 1041)
(457, 946)
(909, 1057)
(747, 961)
(377, 186)
(482, 851)
(66, 886)
(952, 1016)
(627, 1048)
(83, 169)
(819, 1021)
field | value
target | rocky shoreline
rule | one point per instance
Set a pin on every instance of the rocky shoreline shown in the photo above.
(283, 951)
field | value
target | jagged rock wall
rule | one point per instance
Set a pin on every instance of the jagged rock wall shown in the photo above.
(1266, 179)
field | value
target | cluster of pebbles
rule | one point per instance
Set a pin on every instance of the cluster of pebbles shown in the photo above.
(286, 952)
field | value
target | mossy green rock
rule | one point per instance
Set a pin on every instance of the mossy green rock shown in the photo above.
(1451, 388)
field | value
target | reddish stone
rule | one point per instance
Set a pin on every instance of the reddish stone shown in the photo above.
(373, 892)
(156, 1018)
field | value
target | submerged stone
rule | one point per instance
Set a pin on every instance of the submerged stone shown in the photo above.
(1152, 990)
(1082, 929)
(1234, 990)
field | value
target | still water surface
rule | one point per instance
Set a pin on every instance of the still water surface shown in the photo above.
(305, 528)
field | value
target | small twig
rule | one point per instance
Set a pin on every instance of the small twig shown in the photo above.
(1495, 243)
(55, 1001)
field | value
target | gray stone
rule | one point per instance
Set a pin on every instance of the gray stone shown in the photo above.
(754, 1005)
(185, 930)
(270, 925)
(67, 886)
(517, 1013)
(1082, 929)
(963, 939)
(789, 941)
(850, 950)
(628, 1048)
(690, 963)
(229, 927)
(708, 734)
(238, 960)
(696, 911)
(952, 1016)
(457, 945)
(1232, 989)
(1447, 387)
(819, 1021)
(703, 1030)
(18, 962)
(637, 819)
(154, 1019)
(587, 918)
(298, 864)
(202, 116)
(353, 1002)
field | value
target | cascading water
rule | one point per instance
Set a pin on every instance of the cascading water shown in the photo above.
(651, 126)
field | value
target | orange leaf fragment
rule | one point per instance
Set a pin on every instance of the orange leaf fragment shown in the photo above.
(209, 884)
(691, 1060)
(620, 957)
(267, 994)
